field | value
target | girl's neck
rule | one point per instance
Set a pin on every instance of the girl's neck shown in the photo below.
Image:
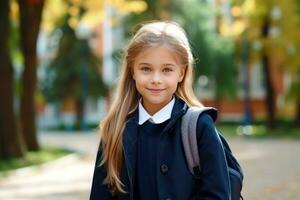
(154, 108)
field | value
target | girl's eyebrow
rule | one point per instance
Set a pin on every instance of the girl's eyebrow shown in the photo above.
(169, 64)
(144, 63)
(165, 64)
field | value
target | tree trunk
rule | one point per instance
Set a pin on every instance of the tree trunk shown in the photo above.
(30, 18)
(10, 143)
(80, 123)
(245, 47)
(270, 98)
(297, 118)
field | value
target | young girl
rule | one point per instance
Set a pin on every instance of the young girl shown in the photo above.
(141, 155)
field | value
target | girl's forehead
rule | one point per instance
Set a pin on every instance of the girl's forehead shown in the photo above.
(162, 53)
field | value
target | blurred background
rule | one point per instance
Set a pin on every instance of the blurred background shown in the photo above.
(59, 65)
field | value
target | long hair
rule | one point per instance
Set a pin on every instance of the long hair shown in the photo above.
(126, 99)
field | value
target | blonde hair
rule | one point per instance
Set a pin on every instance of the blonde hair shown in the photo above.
(126, 98)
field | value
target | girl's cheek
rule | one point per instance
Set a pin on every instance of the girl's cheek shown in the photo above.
(143, 77)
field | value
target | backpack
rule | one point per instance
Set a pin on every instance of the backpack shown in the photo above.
(189, 139)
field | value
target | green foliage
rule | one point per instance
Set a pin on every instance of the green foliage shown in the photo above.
(293, 92)
(74, 71)
(273, 28)
(14, 41)
(16, 55)
(214, 53)
(132, 21)
(224, 69)
(285, 130)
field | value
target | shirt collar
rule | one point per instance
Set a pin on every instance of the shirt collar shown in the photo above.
(162, 115)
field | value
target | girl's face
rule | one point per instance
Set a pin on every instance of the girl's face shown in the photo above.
(157, 72)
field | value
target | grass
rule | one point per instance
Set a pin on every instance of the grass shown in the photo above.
(260, 131)
(32, 158)
(72, 127)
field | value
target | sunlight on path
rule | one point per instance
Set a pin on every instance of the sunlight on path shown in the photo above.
(271, 170)
(72, 179)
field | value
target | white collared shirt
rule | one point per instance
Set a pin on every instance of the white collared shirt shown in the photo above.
(159, 117)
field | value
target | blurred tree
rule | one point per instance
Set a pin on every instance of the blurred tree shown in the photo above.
(74, 72)
(273, 32)
(75, 66)
(30, 19)
(293, 63)
(95, 11)
(154, 10)
(10, 143)
(214, 52)
(293, 94)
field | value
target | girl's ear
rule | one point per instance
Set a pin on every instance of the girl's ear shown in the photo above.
(182, 73)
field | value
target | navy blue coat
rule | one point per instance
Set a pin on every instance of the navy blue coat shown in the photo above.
(174, 180)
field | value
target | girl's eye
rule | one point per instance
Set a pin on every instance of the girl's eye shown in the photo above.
(167, 70)
(145, 69)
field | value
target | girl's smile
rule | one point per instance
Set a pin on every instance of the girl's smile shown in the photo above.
(155, 91)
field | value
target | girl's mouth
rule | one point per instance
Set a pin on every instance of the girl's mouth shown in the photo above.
(155, 90)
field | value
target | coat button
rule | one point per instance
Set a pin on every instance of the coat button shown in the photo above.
(164, 168)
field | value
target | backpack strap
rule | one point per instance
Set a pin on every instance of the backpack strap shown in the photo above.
(189, 136)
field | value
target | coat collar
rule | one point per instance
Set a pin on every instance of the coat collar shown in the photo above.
(179, 108)
(159, 117)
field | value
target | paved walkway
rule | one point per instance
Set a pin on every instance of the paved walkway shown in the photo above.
(271, 167)
(272, 170)
(66, 179)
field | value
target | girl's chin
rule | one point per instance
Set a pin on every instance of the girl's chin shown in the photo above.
(157, 100)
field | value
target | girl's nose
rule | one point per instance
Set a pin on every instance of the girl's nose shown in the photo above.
(156, 78)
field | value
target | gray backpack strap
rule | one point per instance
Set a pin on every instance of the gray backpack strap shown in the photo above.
(189, 135)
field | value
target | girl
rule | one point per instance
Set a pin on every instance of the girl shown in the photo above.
(141, 155)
